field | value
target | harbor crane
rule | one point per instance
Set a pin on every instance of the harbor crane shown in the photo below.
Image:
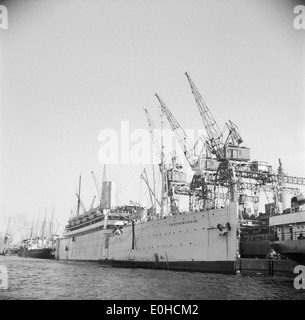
(180, 134)
(155, 139)
(236, 173)
(234, 138)
(214, 135)
(220, 148)
(233, 159)
(205, 170)
(223, 171)
(186, 145)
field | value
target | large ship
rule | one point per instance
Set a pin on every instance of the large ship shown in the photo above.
(128, 237)
(206, 237)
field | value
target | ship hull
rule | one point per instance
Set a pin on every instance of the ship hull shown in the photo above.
(292, 249)
(44, 253)
(228, 267)
(188, 242)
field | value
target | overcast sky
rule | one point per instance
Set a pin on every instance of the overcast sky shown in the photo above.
(71, 69)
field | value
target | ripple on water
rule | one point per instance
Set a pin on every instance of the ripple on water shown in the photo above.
(51, 279)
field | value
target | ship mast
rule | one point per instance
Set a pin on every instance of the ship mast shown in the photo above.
(103, 194)
(157, 144)
(78, 198)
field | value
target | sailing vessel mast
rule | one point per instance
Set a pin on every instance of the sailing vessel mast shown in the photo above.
(43, 228)
(6, 236)
(8, 226)
(51, 226)
(36, 233)
(32, 228)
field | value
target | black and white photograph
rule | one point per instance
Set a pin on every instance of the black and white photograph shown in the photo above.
(152, 153)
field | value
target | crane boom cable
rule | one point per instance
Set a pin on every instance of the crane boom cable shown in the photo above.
(214, 134)
(97, 186)
(180, 134)
(155, 140)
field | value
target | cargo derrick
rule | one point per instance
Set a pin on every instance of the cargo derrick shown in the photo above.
(152, 194)
(176, 179)
(92, 203)
(159, 151)
(180, 134)
(80, 204)
(98, 187)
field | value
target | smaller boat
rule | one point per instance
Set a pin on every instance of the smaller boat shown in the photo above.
(289, 230)
(41, 246)
(36, 248)
(4, 244)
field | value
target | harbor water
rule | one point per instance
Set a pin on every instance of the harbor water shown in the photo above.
(38, 279)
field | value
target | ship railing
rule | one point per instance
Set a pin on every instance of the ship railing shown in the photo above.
(85, 224)
(296, 208)
(295, 235)
(258, 237)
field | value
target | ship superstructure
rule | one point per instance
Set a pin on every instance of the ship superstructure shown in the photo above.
(289, 227)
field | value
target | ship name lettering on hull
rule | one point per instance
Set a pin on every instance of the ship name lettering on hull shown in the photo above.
(182, 222)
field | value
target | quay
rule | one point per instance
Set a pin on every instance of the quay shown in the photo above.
(266, 266)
